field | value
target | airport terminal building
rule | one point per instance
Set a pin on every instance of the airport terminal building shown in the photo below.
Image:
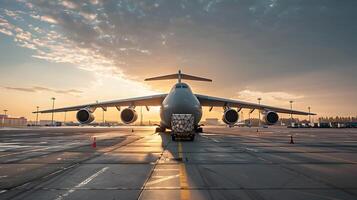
(12, 121)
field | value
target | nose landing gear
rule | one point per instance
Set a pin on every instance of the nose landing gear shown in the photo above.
(199, 130)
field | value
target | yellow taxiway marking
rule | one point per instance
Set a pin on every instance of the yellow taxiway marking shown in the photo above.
(185, 193)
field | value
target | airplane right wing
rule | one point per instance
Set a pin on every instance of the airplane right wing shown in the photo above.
(153, 100)
(221, 102)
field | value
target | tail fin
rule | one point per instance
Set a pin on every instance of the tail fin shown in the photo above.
(178, 76)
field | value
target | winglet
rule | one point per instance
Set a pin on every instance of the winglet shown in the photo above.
(179, 76)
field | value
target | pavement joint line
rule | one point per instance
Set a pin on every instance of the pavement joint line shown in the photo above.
(184, 194)
(219, 162)
(204, 136)
(153, 168)
(195, 188)
(315, 179)
(63, 170)
(48, 152)
(204, 180)
(331, 185)
(323, 155)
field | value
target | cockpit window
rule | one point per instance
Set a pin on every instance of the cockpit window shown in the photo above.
(181, 86)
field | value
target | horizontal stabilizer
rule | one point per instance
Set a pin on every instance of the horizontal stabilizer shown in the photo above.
(178, 76)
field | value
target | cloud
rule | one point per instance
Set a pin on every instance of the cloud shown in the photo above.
(48, 19)
(44, 89)
(274, 98)
(13, 14)
(21, 89)
(129, 38)
(55, 47)
(69, 4)
(6, 32)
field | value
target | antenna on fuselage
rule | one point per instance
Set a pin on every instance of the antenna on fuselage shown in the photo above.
(180, 76)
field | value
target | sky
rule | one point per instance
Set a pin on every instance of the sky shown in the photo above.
(83, 51)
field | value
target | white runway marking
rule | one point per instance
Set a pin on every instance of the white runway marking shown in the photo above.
(250, 149)
(40, 149)
(85, 182)
(162, 179)
(214, 140)
(210, 138)
(166, 169)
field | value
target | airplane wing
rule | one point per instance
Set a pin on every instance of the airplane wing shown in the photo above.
(221, 102)
(153, 100)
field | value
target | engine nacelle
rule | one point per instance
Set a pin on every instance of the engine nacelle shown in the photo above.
(270, 117)
(230, 116)
(84, 116)
(128, 115)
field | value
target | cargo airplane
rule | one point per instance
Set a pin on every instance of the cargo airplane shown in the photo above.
(180, 100)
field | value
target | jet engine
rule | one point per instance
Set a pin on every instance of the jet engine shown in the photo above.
(128, 115)
(270, 117)
(230, 116)
(85, 116)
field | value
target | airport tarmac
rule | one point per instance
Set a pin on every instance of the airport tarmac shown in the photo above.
(222, 163)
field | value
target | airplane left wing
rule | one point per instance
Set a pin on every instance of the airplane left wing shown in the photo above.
(221, 102)
(153, 100)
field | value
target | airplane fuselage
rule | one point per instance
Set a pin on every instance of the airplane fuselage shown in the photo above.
(180, 100)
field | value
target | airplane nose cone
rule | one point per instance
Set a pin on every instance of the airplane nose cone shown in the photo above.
(184, 104)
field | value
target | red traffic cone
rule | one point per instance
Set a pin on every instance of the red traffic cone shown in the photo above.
(94, 144)
(291, 140)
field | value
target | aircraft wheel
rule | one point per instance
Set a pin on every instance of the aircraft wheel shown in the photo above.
(159, 130)
(192, 137)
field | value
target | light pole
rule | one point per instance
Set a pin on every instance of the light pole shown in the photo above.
(291, 112)
(141, 116)
(65, 115)
(53, 108)
(37, 108)
(309, 114)
(3, 119)
(103, 117)
(259, 99)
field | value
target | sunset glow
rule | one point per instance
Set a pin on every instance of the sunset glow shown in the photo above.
(83, 52)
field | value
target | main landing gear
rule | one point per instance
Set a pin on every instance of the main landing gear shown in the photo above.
(160, 129)
(199, 130)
